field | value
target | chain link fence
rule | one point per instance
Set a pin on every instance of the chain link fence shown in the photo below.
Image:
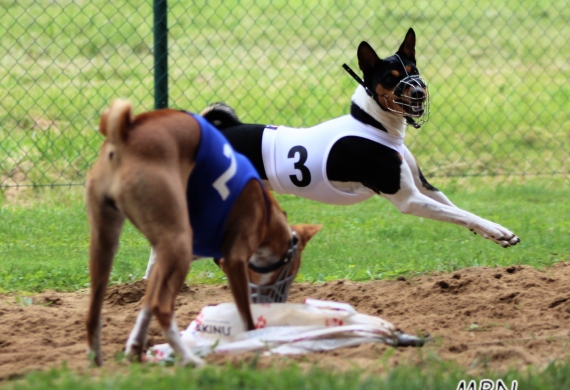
(498, 74)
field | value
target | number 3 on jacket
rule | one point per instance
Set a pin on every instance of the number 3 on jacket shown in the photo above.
(299, 165)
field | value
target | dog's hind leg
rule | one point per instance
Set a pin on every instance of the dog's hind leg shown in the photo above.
(106, 223)
(173, 337)
(167, 226)
(137, 337)
(173, 255)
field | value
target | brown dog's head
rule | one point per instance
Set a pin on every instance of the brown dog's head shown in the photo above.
(276, 261)
(395, 81)
(271, 283)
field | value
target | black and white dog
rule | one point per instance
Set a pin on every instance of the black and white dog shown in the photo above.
(349, 159)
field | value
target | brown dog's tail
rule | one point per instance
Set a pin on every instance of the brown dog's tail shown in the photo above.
(115, 121)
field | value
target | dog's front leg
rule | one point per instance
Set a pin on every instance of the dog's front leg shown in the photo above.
(235, 267)
(421, 182)
(409, 200)
(245, 228)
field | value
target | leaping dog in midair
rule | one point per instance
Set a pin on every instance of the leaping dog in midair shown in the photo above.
(349, 159)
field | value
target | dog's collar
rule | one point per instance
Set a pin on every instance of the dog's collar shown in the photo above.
(360, 115)
(284, 260)
(361, 82)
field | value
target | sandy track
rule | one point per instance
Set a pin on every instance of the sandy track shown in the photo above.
(479, 317)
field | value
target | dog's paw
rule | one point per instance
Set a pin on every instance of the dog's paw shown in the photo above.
(94, 357)
(514, 240)
(497, 233)
(133, 351)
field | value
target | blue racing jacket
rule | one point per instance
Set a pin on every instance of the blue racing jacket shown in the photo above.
(216, 181)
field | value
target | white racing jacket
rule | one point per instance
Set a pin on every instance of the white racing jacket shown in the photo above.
(295, 160)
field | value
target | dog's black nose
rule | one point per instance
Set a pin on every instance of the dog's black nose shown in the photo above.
(417, 94)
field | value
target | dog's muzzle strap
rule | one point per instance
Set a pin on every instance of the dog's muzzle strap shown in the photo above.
(279, 290)
(285, 259)
(358, 80)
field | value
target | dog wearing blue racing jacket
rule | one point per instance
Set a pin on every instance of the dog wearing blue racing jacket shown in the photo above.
(179, 182)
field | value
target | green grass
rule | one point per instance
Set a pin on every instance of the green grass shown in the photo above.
(497, 74)
(44, 245)
(431, 374)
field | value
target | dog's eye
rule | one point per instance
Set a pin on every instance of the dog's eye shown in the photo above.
(390, 81)
(111, 155)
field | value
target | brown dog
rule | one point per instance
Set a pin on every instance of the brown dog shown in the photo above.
(142, 174)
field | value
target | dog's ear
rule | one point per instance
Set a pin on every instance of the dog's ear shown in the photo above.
(305, 232)
(408, 47)
(367, 57)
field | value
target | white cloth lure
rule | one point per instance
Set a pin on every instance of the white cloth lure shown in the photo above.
(282, 328)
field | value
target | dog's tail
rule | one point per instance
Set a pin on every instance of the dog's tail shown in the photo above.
(116, 120)
(221, 115)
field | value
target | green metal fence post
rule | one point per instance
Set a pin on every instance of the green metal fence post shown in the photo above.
(160, 9)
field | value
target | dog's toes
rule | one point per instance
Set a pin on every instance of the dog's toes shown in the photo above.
(514, 240)
(508, 242)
